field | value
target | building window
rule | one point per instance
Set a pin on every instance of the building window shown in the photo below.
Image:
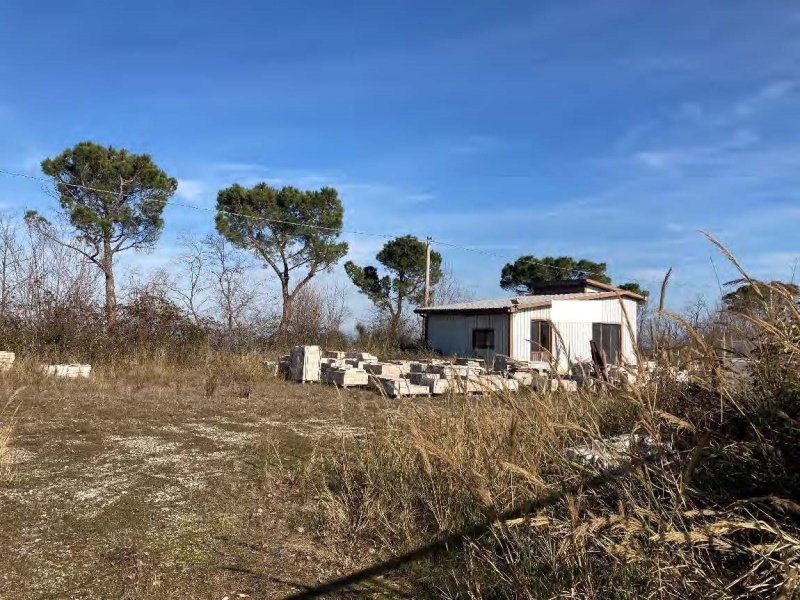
(483, 339)
(608, 337)
(541, 340)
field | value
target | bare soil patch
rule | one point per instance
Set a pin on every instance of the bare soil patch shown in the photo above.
(157, 492)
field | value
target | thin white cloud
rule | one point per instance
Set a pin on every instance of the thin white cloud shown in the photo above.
(190, 189)
(665, 158)
(763, 97)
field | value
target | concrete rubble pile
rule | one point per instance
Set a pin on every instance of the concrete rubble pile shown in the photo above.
(422, 377)
(613, 452)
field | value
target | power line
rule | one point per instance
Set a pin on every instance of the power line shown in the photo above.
(203, 208)
(320, 227)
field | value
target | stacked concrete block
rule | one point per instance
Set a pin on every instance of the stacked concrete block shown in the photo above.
(468, 385)
(435, 384)
(404, 365)
(476, 363)
(335, 354)
(285, 366)
(401, 387)
(416, 377)
(506, 364)
(524, 378)
(305, 363)
(348, 377)
(362, 357)
(384, 370)
(511, 385)
(70, 371)
(6, 361)
(449, 371)
(438, 387)
(357, 363)
(564, 384)
(325, 364)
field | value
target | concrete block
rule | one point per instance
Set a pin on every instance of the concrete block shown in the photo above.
(384, 370)
(401, 387)
(524, 378)
(348, 377)
(305, 363)
(471, 362)
(70, 371)
(335, 354)
(439, 387)
(434, 383)
(561, 384)
(449, 371)
(419, 378)
(405, 366)
(6, 361)
(362, 356)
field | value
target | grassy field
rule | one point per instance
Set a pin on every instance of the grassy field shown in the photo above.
(219, 481)
(120, 489)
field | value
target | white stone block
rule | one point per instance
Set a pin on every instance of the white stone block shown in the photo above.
(70, 371)
(348, 377)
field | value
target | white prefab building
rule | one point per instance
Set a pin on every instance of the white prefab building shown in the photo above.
(554, 324)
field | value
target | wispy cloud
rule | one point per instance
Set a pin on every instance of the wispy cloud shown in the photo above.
(696, 155)
(190, 189)
(747, 107)
(763, 97)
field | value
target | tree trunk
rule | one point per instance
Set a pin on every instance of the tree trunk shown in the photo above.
(394, 326)
(286, 315)
(395, 320)
(111, 293)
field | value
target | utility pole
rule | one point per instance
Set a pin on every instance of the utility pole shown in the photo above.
(428, 241)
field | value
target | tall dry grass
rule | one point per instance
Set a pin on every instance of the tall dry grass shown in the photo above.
(709, 508)
(8, 413)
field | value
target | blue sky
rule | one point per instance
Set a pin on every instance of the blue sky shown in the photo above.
(607, 130)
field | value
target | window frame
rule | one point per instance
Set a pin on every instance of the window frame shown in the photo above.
(484, 331)
(604, 329)
(535, 341)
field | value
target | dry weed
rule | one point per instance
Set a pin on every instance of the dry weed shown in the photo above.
(709, 508)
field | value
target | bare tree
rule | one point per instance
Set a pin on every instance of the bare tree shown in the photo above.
(449, 290)
(191, 287)
(216, 280)
(319, 314)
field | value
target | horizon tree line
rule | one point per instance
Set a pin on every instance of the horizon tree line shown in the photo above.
(113, 201)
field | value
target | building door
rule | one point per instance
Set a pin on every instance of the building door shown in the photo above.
(541, 340)
(608, 337)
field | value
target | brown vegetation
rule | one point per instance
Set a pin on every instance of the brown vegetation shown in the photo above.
(709, 507)
(185, 469)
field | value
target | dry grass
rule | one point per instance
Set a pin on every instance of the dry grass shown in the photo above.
(710, 507)
(134, 485)
(6, 428)
(157, 479)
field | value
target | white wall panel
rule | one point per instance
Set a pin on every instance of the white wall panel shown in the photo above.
(572, 319)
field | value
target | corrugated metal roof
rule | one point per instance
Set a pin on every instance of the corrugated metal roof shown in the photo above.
(521, 302)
